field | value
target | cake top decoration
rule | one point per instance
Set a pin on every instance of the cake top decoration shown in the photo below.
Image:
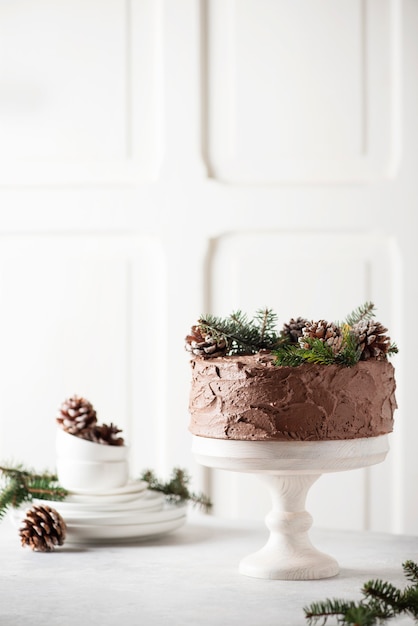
(358, 338)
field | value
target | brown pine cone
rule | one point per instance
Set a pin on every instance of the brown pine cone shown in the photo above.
(205, 345)
(373, 342)
(106, 434)
(327, 332)
(294, 329)
(76, 415)
(42, 529)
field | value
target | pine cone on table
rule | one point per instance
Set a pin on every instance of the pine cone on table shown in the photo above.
(327, 332)
(104, 433)
(293, 330)
(373, 342)
(205, 345)
(42, 529)
(76, 415)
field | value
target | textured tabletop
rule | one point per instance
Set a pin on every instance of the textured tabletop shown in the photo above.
(187, 578)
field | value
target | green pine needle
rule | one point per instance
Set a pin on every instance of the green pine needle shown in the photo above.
(364, 312)
(21, 485)
(243, 336)
(382, 601)
(176, 489)
(411, 571)
(248, 336)
(313, 350)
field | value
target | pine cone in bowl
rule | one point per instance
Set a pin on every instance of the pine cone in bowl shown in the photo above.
(76, 415)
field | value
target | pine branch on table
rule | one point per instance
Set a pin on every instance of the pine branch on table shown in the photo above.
(382, 601)
(21, 485)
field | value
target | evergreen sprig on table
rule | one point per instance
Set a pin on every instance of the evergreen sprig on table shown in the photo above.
(21, 485)
(176, 489)
(382, 601)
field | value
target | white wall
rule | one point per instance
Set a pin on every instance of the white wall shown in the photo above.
(164, 158)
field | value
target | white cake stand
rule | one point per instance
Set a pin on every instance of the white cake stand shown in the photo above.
(289, 469)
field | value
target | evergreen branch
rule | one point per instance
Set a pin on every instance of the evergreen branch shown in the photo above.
(393, 349)
(363, 312)
(22, 485)
(411, 571)
(294, 354)
(351, 351)
(289, 355)
(317, 352)
(382, 601)
(382, 591)
(266, 320)
(241, 335)
(176, 489)
(410, 601)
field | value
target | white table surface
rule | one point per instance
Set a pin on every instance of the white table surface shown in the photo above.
(187, 578)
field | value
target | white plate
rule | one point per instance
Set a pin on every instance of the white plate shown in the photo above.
(100, 534)
(132, 487)
(147, 500)
(126, 517)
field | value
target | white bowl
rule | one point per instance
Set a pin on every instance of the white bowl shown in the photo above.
(93, 476)
(76, 448)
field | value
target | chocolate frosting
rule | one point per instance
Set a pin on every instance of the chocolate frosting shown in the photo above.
(249, 398)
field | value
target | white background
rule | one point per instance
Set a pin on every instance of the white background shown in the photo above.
(160, 159)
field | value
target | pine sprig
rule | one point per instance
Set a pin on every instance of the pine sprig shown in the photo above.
(352, 346)
(411, 571)
(243, 336)
(393, 348)
(364, 312)
(350, 352)
(317, 352)
(352, 612)
(176, 489)
(266, 320)
(21, 485)
(382, 602)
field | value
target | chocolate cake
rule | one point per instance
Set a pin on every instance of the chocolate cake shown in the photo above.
(314, 381)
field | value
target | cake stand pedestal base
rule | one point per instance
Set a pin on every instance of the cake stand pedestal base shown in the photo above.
(289, 553)
(289, 469)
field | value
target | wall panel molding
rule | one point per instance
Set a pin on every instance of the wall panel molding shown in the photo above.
(302, 94)
(82, 107)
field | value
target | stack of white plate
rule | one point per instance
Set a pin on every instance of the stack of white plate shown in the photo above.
(126, 513)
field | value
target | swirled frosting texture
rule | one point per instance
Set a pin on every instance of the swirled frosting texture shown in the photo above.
(249, 398)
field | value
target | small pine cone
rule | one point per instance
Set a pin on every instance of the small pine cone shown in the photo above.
(294, 329)
(205, 345)
(106, 434)
(76, 415)
(327, 332)
(373, 342)
(42, 529)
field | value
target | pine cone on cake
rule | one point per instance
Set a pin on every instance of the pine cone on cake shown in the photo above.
(293, 330)
(327, 332)
(106, 434)
(373, 342)
(76, 415)
(205, 345)
(42, 529)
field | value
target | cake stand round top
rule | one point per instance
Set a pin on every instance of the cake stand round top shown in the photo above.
(290, 456)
